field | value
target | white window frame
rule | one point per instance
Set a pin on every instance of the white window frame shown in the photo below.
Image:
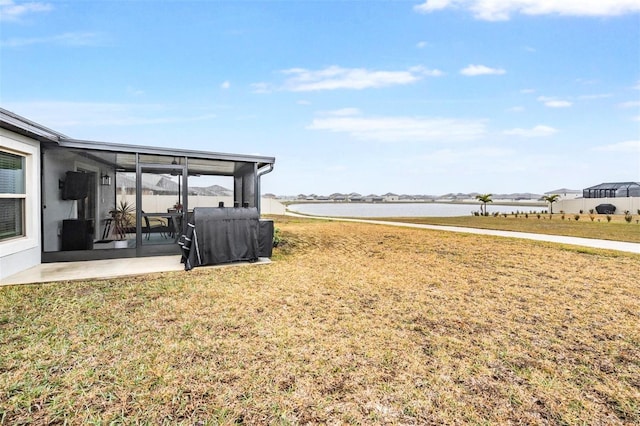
(30, 150)
(17, 196)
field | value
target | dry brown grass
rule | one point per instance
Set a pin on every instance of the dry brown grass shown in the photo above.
(352, 323)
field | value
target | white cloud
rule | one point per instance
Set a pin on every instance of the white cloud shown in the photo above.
(558, 104)
(597, 96)
(402, 129)
(535, 132)
(70, 39)
(629, 104)
(473, 70)
(553, 102)
(502, 10)
(627, 146)
(335, 77)
(10, 11)
(421, 44)
(225, 85)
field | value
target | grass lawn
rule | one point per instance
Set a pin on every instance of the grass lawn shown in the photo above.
(618, 229)
(351, 324)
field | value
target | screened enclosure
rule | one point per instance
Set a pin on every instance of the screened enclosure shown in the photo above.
(103, 200)
(613, 190)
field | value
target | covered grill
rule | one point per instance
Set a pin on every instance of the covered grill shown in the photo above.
(224, 235)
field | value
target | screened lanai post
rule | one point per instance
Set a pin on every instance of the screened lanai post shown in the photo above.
(244, 184)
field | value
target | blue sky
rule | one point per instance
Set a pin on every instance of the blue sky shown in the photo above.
(408, 97)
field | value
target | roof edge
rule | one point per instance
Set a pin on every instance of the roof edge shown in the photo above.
(14, 122)
(176, 152)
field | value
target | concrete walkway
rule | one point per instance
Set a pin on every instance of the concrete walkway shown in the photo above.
(576, 241)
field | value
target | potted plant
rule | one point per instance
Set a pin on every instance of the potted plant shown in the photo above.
(123, 219)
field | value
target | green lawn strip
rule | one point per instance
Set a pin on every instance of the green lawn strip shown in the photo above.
(616, 230)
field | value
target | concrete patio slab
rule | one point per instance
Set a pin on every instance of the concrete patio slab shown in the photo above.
(104, 269)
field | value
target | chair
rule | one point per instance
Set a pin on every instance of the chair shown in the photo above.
(155, 223)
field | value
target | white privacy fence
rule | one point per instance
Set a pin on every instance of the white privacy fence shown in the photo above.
(622, 204)
(162, 203)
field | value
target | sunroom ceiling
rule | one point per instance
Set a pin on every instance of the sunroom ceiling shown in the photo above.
(123, 157)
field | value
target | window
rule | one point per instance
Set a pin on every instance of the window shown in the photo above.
(12, 195)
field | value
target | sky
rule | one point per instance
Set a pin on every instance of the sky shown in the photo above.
(409, 97)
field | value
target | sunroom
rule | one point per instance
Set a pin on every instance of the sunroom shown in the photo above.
(103, 200)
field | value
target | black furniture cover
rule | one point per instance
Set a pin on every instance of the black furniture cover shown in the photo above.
(605, 208)
(217, 235)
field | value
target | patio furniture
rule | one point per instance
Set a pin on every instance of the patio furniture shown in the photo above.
(218, 235)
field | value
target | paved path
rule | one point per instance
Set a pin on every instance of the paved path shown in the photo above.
(576, 241)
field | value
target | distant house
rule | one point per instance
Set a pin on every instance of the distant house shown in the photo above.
(389, 196)
(355, 197)
(565, 194)
(336, 196)
(373, 198)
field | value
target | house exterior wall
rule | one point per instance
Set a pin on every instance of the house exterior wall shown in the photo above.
(631, 204)
(18, 254)
(569, 195)
(56, 163)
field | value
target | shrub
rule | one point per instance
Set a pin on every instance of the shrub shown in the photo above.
(576, 217)
(608, 218)
(277, 237)
(591, 211)
(581, 211)
(539, 215)
(562, 216)
(526, 215)
(591, 216)
(627, 216)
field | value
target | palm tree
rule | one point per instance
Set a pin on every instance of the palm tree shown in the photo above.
(551, 199)
(484, 199)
